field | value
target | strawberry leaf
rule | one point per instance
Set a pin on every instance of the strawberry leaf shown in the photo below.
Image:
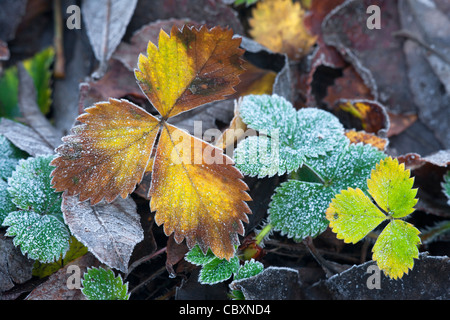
(101, 284)
(287, 137)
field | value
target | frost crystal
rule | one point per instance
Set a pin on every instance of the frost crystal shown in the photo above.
(6, 204)
(9, 157)
(249, 269)
(287, 138)
(298, 206)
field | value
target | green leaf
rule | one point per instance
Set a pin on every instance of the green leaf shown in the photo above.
(396, 248)
(39, 68)
(42, 237)
(286, 137)
(197, 257)
(298, 207)
(101, 284)
(353, 215)
(6, 204)
(9, 157)
(30, 186)
(249, 269)
(218, 270)
(391, 187)
(76, 250)
(446, 186)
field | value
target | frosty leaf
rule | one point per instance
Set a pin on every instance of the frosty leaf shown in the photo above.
(6, 204)
(197, 257)
(352, 215)
(189, 180)
(109, 230)
(9, 157)
(287, 137)
(278, 25)
(218, 270)
(30, 187)
(396, 248)
(101, 284)
(249, 269)
(446, 186)
(298, 206)
(42, 237)
(108, 154)
(189, 68)
(391, 187)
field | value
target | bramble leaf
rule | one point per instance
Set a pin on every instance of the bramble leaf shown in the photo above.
(298, 206)
(391, 187)
(101, 284)
(108, 154)
(396, 248)
(218, 270)
(278, 25)
(352, 215)
(287, 137)
(189, 68)
(187, 192)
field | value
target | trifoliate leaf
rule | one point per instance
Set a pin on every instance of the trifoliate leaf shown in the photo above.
(347, 210)
(6, 204)
(446, 186)
(396, 248)
(9, 157)
(101, 284)
(391, 187)
(30, 187)
(298, 206)
(352, 215)
(287, 137)
(249, 269)
(196, 191)
(218, 270)
(197, 257)
(42, 237)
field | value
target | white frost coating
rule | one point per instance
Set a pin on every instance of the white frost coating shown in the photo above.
(218, 270)
(109, 231)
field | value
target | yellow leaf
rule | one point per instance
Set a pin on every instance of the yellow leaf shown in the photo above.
(278, 25)
(197, 193)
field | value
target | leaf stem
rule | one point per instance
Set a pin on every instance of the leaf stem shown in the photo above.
(263, 233)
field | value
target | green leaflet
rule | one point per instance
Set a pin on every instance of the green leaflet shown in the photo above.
(9, 157)
(42, 237)
(298, 206)
(38, 227)
(39, 68)
(446, 186)
(249, 269)
(6, 204)
(101, 284)
(287, 138)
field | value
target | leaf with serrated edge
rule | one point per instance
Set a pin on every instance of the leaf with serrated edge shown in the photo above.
(197, 257)
(108, 154)
(189, 68)
(197, 193)
(352, 215)
(390, 186)
(218, 270)
(101, 284)
(396, 248)
(287, 137)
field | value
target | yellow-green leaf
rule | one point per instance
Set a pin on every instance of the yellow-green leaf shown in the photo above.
(396, 248)
(352, 215)
(390, 186)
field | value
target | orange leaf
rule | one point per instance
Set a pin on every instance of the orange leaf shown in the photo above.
(190, 68)
(108, 153)
(197, 193)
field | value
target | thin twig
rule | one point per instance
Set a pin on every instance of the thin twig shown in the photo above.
(145, 259)
(59, 68)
